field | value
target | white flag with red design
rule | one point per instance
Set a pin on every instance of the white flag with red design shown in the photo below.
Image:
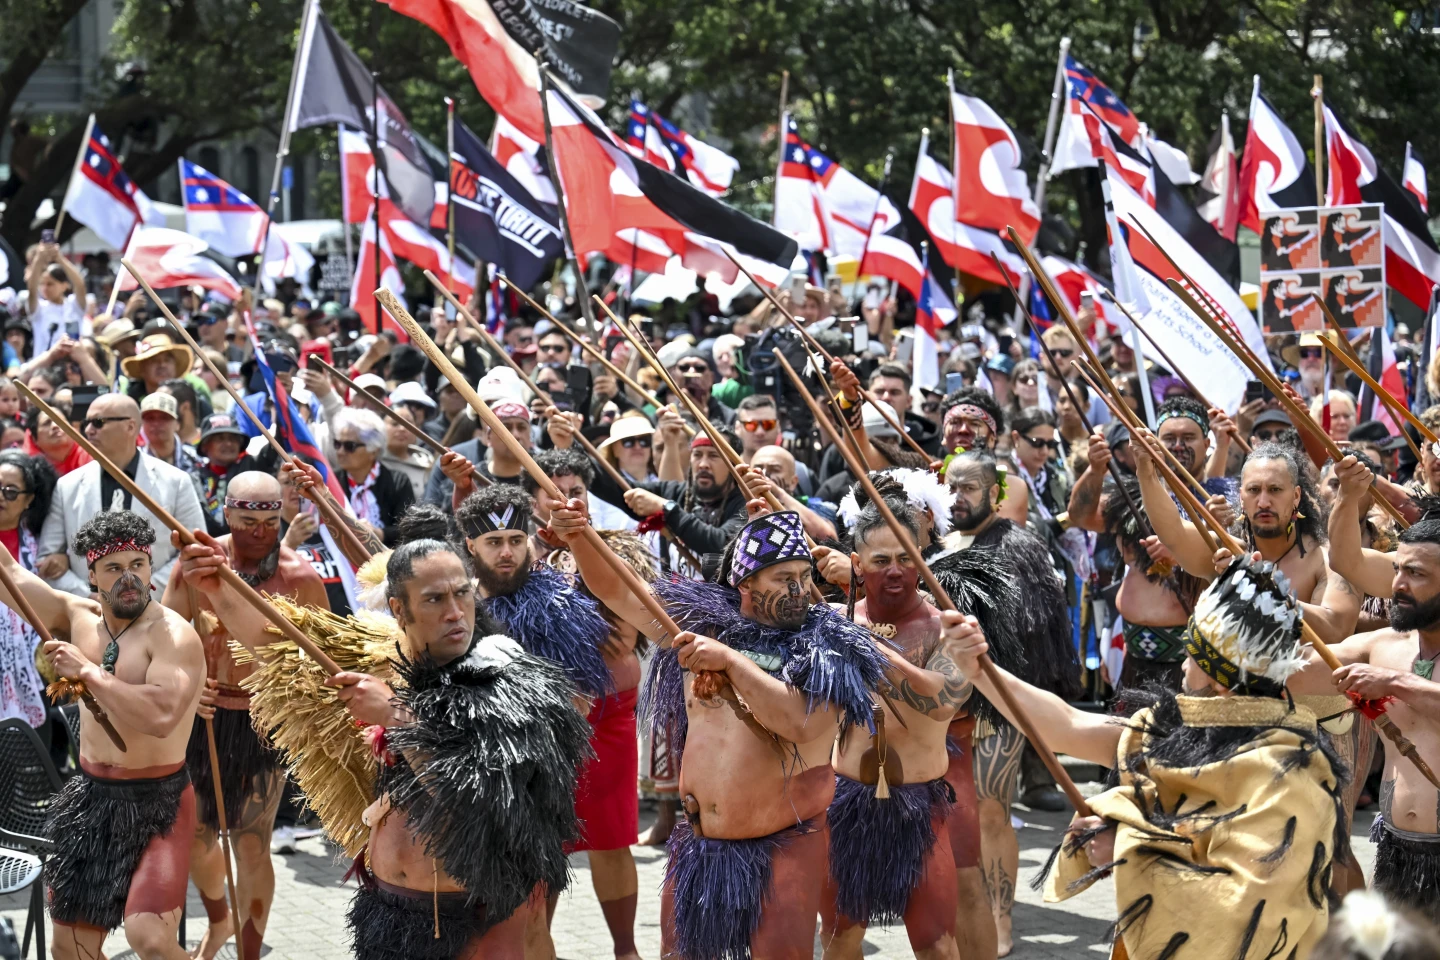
(991, 188)
(174, 258)
(967, 249)
(1413, 178)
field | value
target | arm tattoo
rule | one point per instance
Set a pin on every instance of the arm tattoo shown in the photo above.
(953, 694)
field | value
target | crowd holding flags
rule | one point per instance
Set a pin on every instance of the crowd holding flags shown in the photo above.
(653, 195)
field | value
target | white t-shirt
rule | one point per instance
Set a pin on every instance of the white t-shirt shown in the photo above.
(52, 322)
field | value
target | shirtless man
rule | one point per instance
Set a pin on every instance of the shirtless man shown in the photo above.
(1049, 659)
(1398, 662)
(122, 828)
(888, 859)
(444, 875)
(543, 609)
(746, 868)
(251, 777)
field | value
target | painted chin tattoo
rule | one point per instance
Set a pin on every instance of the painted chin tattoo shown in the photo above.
(126, 609)
(785, 609)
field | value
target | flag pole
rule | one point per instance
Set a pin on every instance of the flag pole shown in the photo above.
(375, 179)
(1052, 125)
(302, 45)
(780, 133)
(583, 290)
(1317, 93)
(449, 186)
(345, 202)
(80, 158)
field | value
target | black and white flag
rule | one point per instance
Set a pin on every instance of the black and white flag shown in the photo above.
(579, 43)
(332, 85)
(496, 218)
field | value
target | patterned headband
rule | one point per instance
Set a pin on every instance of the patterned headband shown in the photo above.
(511, 518)
(232, 504)
(115, 546)
(1190, 415)
(973, 412)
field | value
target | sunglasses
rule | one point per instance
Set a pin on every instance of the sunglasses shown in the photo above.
(1312, 353)
(752, 425)
(630, 443)
(12, 493)
(208, 319)
(348, 446)
(930, 407)
(1268, 435)
(1038, 444)
(99, 422)
(553, 347)
(693, 369)
(1028, 379)
(1062, 352)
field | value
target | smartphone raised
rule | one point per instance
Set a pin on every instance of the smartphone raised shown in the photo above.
(904, 347)
(954, 381)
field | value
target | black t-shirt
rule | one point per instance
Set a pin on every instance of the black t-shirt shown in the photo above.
(327, 566)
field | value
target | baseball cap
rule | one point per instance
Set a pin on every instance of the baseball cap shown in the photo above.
(1373, 431)
(1272, 416)
(162, 402)
(875, 424)
(218, 423)
(372, 383)
(1116, 433)
(411, 392)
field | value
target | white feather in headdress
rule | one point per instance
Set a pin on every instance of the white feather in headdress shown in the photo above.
(1249, 614)
(1369, 921)
(371, 579)
(923, 491)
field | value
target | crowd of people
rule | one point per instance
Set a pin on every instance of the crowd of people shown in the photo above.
(633, 580)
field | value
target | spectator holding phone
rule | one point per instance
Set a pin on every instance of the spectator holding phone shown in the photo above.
(55, 311)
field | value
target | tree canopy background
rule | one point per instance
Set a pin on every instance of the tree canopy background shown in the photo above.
(865, 77)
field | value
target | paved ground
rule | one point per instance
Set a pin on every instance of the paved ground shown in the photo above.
(310, 905)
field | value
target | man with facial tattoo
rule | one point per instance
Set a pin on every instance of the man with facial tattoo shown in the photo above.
(251, 777)
(890, 849)
(544, 610)
(770, 681)
(121, 827)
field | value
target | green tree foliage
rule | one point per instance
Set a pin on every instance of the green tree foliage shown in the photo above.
(865, 76)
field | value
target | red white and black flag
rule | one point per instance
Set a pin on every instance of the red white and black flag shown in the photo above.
(608, 189)
(332, 85)
(1274, 174)
(1217, 195)
(1413, 178)
(1412, 259)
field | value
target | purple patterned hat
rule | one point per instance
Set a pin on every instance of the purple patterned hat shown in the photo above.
(766, 541)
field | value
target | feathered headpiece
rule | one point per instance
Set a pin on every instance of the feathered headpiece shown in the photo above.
(1245, 631)
(923, 491)
(372, 579)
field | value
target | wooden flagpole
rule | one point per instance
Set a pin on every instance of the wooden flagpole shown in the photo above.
(331, 510)
(75, 170)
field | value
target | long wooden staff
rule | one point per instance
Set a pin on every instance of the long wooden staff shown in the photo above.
(438, 448)
(1393, 403)
(899, 428)
(43, 632)
(247, 593)
(1122, 412)
(942, 599)
(1142, 523)
(219, 789)
(593, 353)
(544, 394)
(1299, 416)
(333, 519)
(1375, 709)
(1109, 297)
(542, 479)
(721, 444)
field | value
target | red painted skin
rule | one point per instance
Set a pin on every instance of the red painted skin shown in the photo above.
(964, 823)
(891, 597)
(159, 881)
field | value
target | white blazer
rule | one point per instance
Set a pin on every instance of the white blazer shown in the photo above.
(77, 499)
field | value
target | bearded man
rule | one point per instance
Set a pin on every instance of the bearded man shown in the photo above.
(746, 868)
(1049, 661)
(548, 614)
(251, 778)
